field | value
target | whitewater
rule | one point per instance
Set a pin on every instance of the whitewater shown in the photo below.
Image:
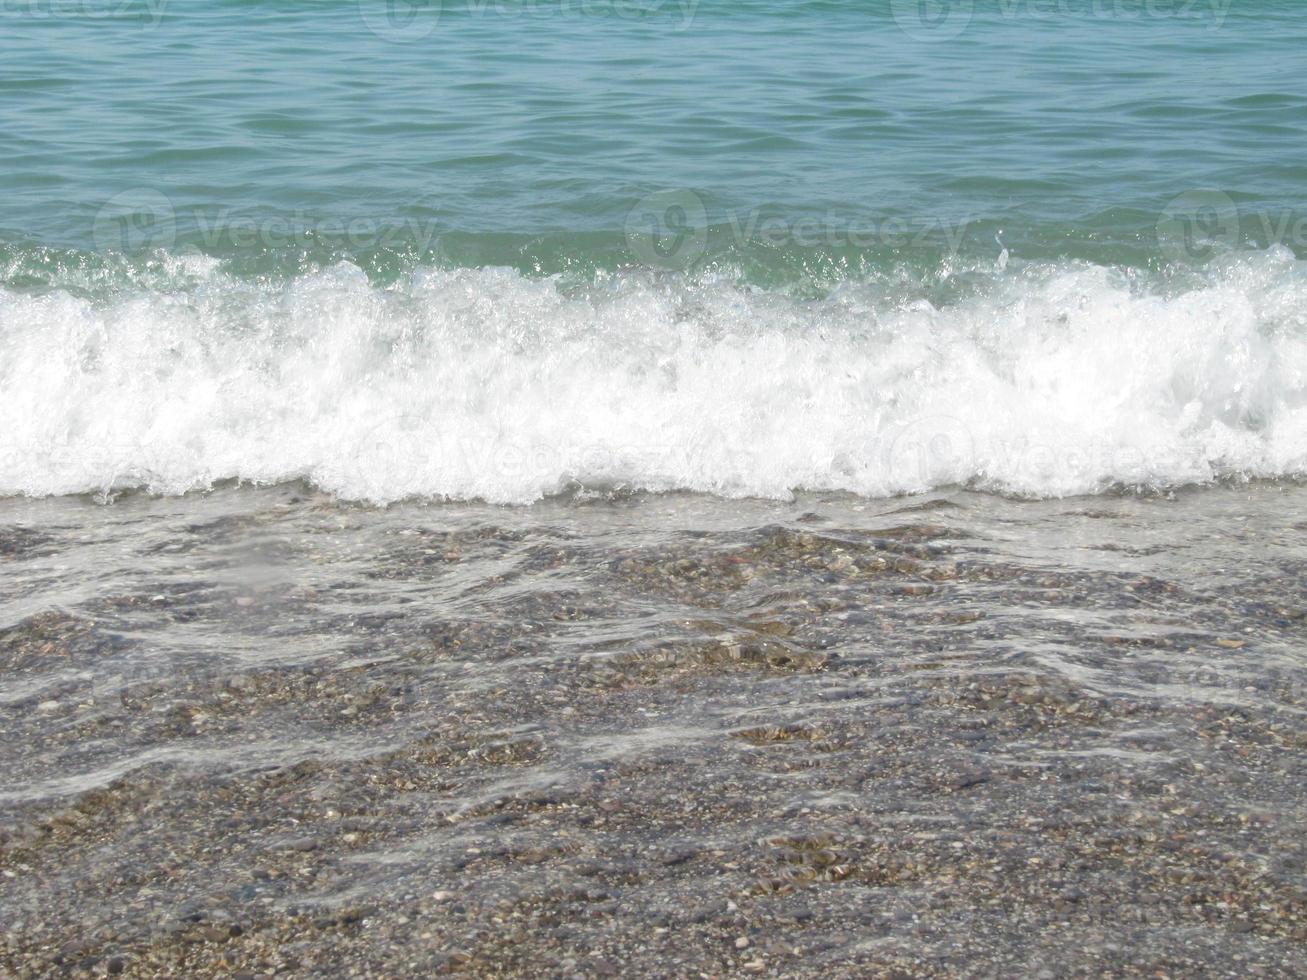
(1038, 379)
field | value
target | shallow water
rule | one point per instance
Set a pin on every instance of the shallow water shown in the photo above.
(638, 488)
(953, 734)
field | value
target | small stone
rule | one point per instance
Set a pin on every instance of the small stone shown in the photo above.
(755, 966)
(742, 942)
(48, 706)
(1229, 644)
(679, 857)
(965, 780)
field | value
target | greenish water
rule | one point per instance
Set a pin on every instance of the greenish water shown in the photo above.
(641, 318)
(491, 133)
(929, 188)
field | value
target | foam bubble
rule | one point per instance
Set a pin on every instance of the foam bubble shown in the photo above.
(483, 383)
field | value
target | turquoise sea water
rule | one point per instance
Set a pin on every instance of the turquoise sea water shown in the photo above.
(501, 411)
(331, 239)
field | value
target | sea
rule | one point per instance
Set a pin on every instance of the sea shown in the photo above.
(653, 487)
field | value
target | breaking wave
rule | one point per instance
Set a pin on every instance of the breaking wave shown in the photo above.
(1040, 379)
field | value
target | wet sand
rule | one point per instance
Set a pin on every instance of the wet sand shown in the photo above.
(259, 731)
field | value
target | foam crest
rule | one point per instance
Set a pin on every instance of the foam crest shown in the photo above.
(484, 383)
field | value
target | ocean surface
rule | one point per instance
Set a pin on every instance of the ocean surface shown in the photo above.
(653, 487)
(482, 249)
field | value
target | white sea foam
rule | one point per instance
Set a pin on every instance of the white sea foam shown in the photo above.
(488, 384)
